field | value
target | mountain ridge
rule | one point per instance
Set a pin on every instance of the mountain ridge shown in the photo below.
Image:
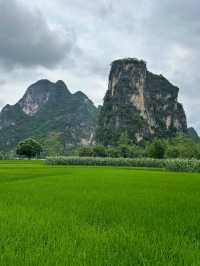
(48, 108)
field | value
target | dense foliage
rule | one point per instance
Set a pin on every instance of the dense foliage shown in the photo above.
(178, 154)
(156, 149)
(178, 147)
(98, 161)
(29, 148)
(183, 165)
(176, 165)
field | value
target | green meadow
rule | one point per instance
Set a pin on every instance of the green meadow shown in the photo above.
(73, 215)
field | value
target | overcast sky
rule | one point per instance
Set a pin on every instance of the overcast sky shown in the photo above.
(76, 40)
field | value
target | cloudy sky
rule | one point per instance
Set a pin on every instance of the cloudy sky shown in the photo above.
(76, 40)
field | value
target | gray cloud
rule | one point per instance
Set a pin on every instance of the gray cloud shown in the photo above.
(163, 33)
(2, 82)
(27, 39)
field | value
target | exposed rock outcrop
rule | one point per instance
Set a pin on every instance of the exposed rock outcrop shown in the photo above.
(38, 94)
(140, 103)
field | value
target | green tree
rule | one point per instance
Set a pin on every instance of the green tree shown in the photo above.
(156, 149)
(172, 152)
(53, 145)
(113, 152)
(137, 151)
(29, 148)
(185, 146)
(125, 151)
(124, 139)
(99, 151)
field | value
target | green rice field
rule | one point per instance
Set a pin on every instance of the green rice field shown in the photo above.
(73, 215)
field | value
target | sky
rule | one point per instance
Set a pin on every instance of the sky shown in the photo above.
(76, 41)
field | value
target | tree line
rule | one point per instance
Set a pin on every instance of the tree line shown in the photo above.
(178, 147)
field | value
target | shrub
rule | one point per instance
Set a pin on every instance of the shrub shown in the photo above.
(125, 151)
(185, 147)
(172, 152)
(183, 165)
(156, 149)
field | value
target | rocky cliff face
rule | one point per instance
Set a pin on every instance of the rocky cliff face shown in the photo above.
(140, 103)
(48, 109)
(38, 94)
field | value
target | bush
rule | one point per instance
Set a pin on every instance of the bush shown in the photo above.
(172, 152)
(183, 147)
(138, 152)
(156, 149)
(183, 165)
(125, 151)
(143, 162)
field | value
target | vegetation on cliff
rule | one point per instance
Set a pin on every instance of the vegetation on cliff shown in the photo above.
(142, 104)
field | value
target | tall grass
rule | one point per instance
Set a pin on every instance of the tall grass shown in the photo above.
(99, 161)
(176, 165)
(183, 165)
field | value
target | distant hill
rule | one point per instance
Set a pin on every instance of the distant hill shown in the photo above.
(48, 110)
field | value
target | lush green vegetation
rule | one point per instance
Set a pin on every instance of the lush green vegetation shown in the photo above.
(29, 148)
(182, 165)
(178, 147)
(64, 118)
(176, 165)
(97, 216)
(98, 161)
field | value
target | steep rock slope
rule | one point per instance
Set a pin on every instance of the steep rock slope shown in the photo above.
(48, 108)
(139, 103)
(193, 135)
